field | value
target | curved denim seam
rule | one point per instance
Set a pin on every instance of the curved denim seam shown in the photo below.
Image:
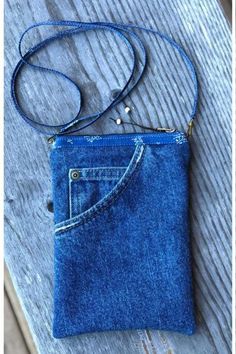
(103, 204)
(109, 198)
(60, 235)
(73, 183)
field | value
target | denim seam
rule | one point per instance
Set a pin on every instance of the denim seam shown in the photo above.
(121, 136)
(98, 179)
(123, 144)
(99, 173)
(74, 197)
(116, 138)
(131, 164)
(70, 196)
(73, 329)
(117, 193)
(99, 168)
(116, 190)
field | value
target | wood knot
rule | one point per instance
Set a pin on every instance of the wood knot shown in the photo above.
(50, 206)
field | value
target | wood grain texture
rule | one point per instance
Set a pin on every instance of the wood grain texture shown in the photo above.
(13, 338)
(164, 97)
(227, 7)
(15, 320)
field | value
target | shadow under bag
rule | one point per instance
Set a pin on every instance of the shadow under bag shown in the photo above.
(121, 209)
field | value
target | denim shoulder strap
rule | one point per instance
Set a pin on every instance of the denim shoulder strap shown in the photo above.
(124, 32)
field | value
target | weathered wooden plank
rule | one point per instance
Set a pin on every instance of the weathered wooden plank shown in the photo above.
(14, 320)
(227, 7)
(13, 339)
(96, 61)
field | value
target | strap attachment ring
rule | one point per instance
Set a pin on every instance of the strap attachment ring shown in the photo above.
(190, 128)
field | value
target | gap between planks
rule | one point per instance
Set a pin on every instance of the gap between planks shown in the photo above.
(19, 316)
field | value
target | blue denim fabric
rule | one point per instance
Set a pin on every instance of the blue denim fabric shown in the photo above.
(122, 253)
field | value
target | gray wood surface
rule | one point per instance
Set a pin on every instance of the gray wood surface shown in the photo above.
(17, 335)
(227, 6)
(164, 96)
(13, 338)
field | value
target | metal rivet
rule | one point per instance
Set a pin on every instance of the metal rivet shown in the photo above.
(75, 174)
(118, 121)
(51, 140)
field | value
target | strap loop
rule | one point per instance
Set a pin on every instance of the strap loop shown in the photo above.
(190, 128)
(124, 32)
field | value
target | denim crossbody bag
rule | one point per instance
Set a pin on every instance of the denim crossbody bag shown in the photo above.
(121, 210)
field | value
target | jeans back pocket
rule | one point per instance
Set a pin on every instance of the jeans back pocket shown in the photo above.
(87, 186)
